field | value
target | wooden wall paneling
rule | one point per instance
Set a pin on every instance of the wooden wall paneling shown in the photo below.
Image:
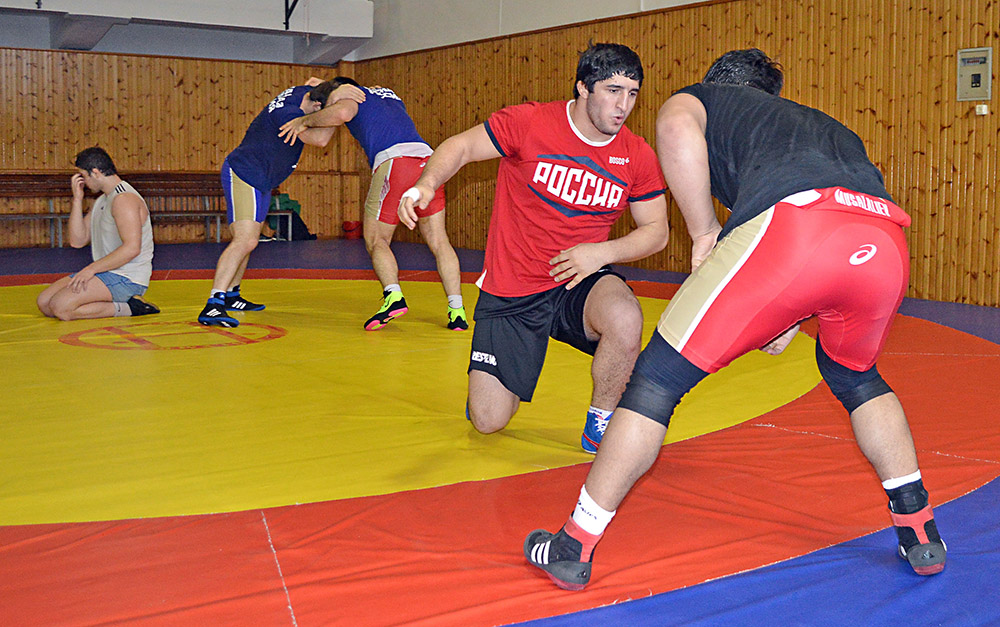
(10, 101)
(936, 131)
(491, 78)
(353, 187)
(949, 150)
(978, 243)
(150, 113)
(447, 91)
(314, 192)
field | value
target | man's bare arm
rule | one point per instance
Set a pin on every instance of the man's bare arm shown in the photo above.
(456, 151)
(341, 107)
(79, 224)
(683, 154)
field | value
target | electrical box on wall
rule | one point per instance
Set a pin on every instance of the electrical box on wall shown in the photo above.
(975, 73)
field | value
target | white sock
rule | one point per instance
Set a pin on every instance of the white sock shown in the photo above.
(591, 517)
(603, 413)
(392, 288)
(892, 484)
(122, 310)
(455, 302)
(220, 294)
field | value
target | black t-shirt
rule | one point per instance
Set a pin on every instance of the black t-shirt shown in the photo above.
(762, 148)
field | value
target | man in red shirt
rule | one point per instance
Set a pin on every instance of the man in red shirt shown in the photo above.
(568, 170)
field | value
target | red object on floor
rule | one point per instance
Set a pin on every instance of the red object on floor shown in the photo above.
(352, 229)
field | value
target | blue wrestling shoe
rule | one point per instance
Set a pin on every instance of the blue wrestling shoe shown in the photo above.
(214, 314)
(593, 432)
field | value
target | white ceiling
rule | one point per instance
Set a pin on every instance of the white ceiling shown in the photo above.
(319, 31)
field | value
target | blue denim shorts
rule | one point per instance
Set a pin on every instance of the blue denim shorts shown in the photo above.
(120, 287)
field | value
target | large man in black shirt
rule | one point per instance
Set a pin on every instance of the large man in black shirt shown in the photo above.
(813, 233)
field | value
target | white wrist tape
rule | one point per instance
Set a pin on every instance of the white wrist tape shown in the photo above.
(413, 193)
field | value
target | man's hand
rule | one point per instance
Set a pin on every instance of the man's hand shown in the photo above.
(702, 247)
(576, 263)
(778, 344)
(77, 185)
(346, 92)
(78, 283)
(416, 197)
(313, 81)
(293, 128)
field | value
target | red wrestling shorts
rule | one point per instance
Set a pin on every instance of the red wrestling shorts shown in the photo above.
(390, 179)
(832, 253)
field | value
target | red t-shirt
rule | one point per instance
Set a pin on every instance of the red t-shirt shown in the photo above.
(556, 189)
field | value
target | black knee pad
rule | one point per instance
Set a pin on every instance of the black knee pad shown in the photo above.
(661, 377)
(852, 388)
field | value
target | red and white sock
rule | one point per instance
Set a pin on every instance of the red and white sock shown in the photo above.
(588, 522)
(587, 540)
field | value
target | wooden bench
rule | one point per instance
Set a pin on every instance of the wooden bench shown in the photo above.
(47, 186)
(155, 188)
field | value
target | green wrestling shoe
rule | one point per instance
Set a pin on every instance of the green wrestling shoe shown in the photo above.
(393, 306)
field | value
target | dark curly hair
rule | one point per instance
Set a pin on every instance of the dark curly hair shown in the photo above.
(750, 67)
(602, 61)
(95, 158)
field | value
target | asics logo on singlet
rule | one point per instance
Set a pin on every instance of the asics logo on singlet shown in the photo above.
(862, 202)
(618, 160)
(866, 252)
(279, 101)
(577, 186)
(484, 358)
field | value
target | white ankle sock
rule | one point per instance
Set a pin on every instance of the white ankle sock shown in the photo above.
(394, 287)
(590, 516)
(455, 302)
(892, 484)
(122, 310)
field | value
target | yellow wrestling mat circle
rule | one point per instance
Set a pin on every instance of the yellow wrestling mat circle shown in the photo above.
(159, 416)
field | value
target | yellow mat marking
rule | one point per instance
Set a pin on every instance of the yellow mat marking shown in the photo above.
(324, 411)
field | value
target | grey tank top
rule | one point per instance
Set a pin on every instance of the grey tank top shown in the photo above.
(104, 237)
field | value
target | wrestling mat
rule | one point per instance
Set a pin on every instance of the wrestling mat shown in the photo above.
(299, 470)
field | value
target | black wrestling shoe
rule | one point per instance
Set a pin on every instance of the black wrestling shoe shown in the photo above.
(139, 307)
(919, 541)
(214, 315)
(558, 554)
(237, 303)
